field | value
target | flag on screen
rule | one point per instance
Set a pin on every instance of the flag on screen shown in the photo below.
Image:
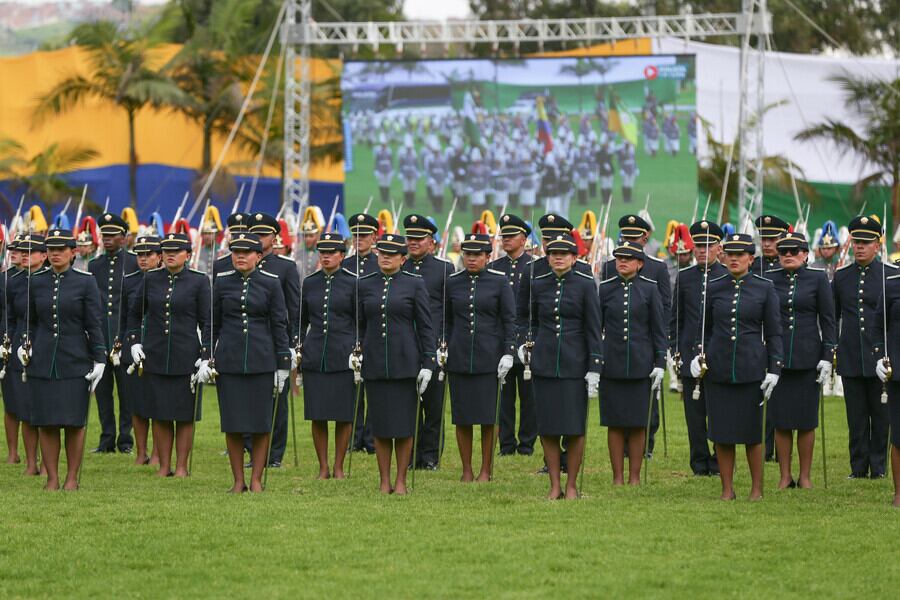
(470, 121)
(544, 134)
(622, 122)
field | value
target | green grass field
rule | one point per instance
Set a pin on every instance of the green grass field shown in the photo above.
(129, 534)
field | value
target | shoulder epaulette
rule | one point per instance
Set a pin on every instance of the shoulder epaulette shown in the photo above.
(613, 278)
(688, 268)
(494, 271)
(226, 273)
(775, 270)
(156, 269)
(133, 273)
(131, 252)
(16, 274)
(849, 264)
(544, 275)
(411, 274)
(653, 281)
(815, 269)
(442, 259)
(198, 271)
(73, 268)
(653, 258)
(283, 257)
(897, 276)
(345, 270)
(534, 260)
(460, 273)
(760, 277)
(581, 260)
(98, 257)
(267, 274)
(891, 265)
(585, 275)
(226, 255)
(718, 278)
(367, 276)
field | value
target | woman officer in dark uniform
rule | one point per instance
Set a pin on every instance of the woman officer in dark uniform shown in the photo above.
(252, 356)
(327, 338)
(565, 311)
(146, 248)
(808, 326)
(16, 393)
(174, 300)
(481, 325)
(10, 418)
(743, 370)
(891, 304)
(634, 351)
(399, 346)
(67, 348)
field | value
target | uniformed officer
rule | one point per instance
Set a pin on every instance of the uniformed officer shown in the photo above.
(807, 319)
(566, 354)
(364, 229)
(857, 289)
(236, 223)
(173, 304)
(328, 336)
(514, 234)
(147, 251)
(10, 413)
(481, 344)
(266, 228)
(68, 347)
(307, 258)
(634, 351)
(434, 272)
(252, 359)
(770, 229)
(383, 162)
(399, 348)
(743, 353)
(890, 376)
(827, 251)
(109, 270)
(684, 332)
(17, 395)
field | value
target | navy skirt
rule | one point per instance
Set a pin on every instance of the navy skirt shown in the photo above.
(894, 411)
(473, 398)
(624, 402)
(16, 395)
(170, 397)
(328, 396)
(393, 406)
(59, 402)
(138, 396)
(561, 405)
(733, 411)
(795, 401)
(246, 402)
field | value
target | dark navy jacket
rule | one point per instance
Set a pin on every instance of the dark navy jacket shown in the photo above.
(222, 264)
(515, 270)
(767, 265)
(566, 318)
(131, 296)
(16, 302)
(655, 270)
(108, 270)
(480, 321)
(66, 332)
(176, 306)
(434, 272)
(807, 316)
(738, 313)
(685, 322)
(249, 323)
(532, 270)
(634, 332)
(328, 321)
(857, 291)
(892, 302)
(395, 321)
(286, 270)
(368, 264)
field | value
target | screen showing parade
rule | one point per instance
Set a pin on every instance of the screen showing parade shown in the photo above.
(527, 136)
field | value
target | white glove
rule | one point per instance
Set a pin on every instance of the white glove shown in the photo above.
(695, 367)
(422, 380)
(824, 369)
(281, 377)
(137, 354)
(295, 359)
(593, 383)
(355, 361)
(95, 375)
(880, 370)
(116, 358)
(23, 355)
(204, 373)
(506, 363)
(442, 357)
(4, 353)
(768, 385)
(656, 378)
(521, 353)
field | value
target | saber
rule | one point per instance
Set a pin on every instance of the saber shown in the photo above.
(106, 205)
(180, 209)
(696, 206)
(140, 365)
(706, 208)
(27, 343)
(331, 216)
(198, 244)
(299, 247)
(647, 439)
(415, 448)
(357, 350)
(271, 435)
(14, 224)
(7, 343)
(442, 370)
(822, 427)
(529, 343)
(587, 412)
(887, 360)
(445, 238)
(706, 267)
(496, 429)
(87, 421)
(662, 410)
(368, 206)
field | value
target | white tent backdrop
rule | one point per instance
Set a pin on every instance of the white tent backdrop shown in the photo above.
(787, 76)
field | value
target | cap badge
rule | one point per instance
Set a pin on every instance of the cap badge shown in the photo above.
(505, 218)
(360, 218)
(413, 219)
(107, 218)
(242, 236)
(143, 239)
(551, 218)
(472, 237)
(171, 236)
(767, 220)
(735, 237)
(258, 217)
(559, 237)
(704, 225)
(327, 236)
(28, 238)
(239, 218)
(864, 220)
(390, 238)
(631, 220)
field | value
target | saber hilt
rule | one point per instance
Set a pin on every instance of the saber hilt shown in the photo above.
(526, 371)
(889, 372)
(443, 367)
(676, 359)
(357, 374)
(26, 345)
(116, 349)
(7, 346)
(696, 393)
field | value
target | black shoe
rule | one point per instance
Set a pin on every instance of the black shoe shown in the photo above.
(430, 465)
(99, 450)
(125, 450)
(507, 452)
(877, 476)
(524, 451)
(701, 473)
(369, 449)
(648, 456)
(542, 471)
(248, 464)
(771, 458)
(856, 476)
(275, 464)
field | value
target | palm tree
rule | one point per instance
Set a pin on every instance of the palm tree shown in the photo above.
(122, 75)
(877, 140)
(41, 175)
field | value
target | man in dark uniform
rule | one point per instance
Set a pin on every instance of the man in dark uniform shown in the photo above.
(267, 227)
(109, 270)
(770, 228)
(857, 292)
(421, 261)
(514, 234)
(236, 223)
(634, 228)
(364, 229)
(684, 329)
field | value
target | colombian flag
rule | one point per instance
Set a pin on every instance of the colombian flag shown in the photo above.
(622, 121)
(544, 134)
